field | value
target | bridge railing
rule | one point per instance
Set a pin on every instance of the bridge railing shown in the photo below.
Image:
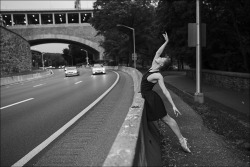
(45, 17)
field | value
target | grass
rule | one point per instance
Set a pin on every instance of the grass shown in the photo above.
(231, 125)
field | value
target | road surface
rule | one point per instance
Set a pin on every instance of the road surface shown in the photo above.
(33, 111)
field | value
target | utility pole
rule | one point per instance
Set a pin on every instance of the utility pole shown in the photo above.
(198, 97)
(42, 60)
(87, 57)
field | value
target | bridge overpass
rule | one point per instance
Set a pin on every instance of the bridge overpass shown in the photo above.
(55, 26)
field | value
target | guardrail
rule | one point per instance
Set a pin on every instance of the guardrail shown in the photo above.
(22, 78)
(137, 143)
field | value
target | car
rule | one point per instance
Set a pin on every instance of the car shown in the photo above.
(71, 71)
(50, 67)
(98, 69)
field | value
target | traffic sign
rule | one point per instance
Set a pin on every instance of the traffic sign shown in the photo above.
(192, 34)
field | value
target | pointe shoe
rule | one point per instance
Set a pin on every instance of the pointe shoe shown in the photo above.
(184, 146)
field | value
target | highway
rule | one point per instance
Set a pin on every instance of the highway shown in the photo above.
(33, 111)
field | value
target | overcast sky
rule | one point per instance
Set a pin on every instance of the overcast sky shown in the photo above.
(45, 4)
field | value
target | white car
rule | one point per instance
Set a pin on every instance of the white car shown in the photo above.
(98, 69)
(71, 71)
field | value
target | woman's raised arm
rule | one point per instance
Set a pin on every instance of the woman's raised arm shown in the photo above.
(160, 50)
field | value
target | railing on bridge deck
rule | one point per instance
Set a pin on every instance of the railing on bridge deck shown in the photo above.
(45, 17)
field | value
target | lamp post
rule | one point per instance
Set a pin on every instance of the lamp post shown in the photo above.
(42, 60)
(198, 97)
(120, 25)
(87, 57)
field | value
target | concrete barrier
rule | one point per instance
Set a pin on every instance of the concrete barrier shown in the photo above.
(137, 143)
(22, 78)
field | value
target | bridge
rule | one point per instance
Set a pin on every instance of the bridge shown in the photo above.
(55, 26)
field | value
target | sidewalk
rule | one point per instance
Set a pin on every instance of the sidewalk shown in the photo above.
(208, 148)
(227, 97)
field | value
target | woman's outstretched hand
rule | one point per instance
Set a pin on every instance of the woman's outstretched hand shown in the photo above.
(176, 111)
(165, 36)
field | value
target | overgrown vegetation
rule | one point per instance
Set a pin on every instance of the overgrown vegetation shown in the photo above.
(231, 125)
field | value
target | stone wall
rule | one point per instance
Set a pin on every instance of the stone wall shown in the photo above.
(230, 80)
(15, 53)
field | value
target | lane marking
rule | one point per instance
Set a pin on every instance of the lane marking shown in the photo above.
(78, 82)
(16, 103)
(38, 85)
(50, 139)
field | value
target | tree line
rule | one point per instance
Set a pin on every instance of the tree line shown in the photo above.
(227, 31)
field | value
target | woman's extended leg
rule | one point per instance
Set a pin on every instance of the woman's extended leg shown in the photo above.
(175, 128)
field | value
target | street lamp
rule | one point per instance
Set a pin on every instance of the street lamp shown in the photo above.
(87, 57)
(42, 60)
(120, 25)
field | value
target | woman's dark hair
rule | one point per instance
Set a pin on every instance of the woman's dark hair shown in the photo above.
(165, 66)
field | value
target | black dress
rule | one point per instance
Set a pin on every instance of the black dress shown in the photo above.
(153, 105)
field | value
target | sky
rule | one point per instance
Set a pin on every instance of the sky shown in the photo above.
(45, 4)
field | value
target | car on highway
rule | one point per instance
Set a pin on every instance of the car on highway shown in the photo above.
(98, 69)
(71, 71)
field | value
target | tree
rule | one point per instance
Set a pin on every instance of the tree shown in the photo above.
(227, 32)
(173, 17)
(66, 56)
(118, 42)
(229, 38)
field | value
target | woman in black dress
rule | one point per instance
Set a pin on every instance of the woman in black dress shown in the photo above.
(154, 105)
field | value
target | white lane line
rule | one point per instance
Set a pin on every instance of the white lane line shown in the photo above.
(78, 82)
(16, 103)
(38, 85)
(50, 139)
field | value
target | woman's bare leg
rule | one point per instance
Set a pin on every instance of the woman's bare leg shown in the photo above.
(173, 125)
(175, 128)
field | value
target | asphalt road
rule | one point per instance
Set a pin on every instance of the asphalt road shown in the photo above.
(33, 111)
